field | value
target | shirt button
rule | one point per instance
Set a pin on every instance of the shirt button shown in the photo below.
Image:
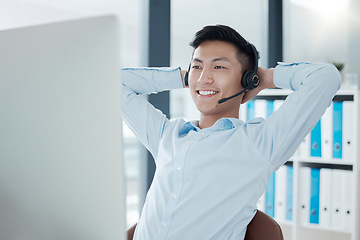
(174, 196)
(164, 224)
(179, 168)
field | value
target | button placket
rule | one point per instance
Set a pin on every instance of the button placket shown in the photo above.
(175, 194)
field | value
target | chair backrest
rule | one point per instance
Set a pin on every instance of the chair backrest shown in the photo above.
(263, 227)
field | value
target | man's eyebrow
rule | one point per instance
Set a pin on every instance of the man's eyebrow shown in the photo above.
(221, 59)
(214, 60)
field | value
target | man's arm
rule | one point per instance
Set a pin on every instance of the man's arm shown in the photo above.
(144, 120)
(314, 86)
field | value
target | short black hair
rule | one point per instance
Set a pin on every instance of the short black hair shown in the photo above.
(227, 34)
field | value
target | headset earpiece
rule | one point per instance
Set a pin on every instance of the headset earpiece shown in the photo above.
(186, 77)
(250, 79)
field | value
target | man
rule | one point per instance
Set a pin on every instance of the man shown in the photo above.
(210, 173)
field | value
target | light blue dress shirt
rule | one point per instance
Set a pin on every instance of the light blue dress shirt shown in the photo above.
(208, 181)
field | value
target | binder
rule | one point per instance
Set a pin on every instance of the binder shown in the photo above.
(337, 215)
(270, 196)
(304, 195)
(269, 108)
(347, 199)
(261, 203)
(261, 108)
(304, 148)
(337, 129)
(243, 112)
(348, 130)
(280, 193)
(278, 104)
(315, 138)
(326, 133)
(289, 192)
(250, 110)
(325, 197)
(314, 195)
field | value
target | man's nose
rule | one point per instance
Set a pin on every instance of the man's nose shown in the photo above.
(206, 76)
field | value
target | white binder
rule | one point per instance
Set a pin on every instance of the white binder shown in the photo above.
(325, 197)
(337, 215)
(347, 200)
(277, 104)
(280, 193)
(260, 108)
(304, 195)
(348, 130)
(261, 203)
(304, 148)
(327, 134)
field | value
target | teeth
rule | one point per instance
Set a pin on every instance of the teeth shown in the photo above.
(207, 92)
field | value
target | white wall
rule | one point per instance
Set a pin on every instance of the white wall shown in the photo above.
(17, 13)
(322, 33)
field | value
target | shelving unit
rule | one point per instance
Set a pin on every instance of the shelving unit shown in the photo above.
(296, 229)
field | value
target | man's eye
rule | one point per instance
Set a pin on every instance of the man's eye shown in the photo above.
(196, 67)
(219, 67)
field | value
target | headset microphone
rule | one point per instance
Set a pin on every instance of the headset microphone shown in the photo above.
(228, 98)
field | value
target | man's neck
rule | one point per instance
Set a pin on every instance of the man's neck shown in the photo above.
(208, 121)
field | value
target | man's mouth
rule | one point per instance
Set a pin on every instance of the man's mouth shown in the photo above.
(206, 92)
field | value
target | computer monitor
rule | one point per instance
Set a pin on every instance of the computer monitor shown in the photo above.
(61, 168)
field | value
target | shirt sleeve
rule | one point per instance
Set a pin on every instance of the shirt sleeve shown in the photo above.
(314, 86)
(146, 122)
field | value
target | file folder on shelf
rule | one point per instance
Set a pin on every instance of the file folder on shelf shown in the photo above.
(327, 133)
(347, 199)
(289, 192)
(314, 195)
(250, 114)
(325, 197)
(337, 214)
(280, 193)
(304, 195)
(304, 149)
(315, 138)
(337, 129)
(348, 131)
(270, 196)
(260, 108)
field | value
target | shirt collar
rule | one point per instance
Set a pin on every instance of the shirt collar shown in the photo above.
(221, 124)
(187, 127)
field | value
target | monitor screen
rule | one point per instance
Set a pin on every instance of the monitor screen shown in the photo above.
(61, 168)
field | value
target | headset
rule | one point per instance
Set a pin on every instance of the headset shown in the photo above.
(249, 79)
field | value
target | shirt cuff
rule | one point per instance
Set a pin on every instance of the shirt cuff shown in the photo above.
(284, 75)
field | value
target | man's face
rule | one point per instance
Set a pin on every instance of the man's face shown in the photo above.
(215, 73)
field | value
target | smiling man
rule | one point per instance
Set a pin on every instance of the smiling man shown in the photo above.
(211, 172)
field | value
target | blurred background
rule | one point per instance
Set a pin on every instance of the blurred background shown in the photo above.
(157, 33)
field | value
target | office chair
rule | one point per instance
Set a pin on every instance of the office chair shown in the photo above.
(261, 227)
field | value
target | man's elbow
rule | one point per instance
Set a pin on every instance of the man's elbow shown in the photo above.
(334, 79)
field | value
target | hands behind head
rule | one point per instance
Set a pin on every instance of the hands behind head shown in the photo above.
(266, 81)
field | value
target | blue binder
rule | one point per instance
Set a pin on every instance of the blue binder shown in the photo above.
(270, 196)
(270, 188)
(337, 129)
(250, 113)
(269, 108)
(315, 135)
(314, 195)
(289, 192)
